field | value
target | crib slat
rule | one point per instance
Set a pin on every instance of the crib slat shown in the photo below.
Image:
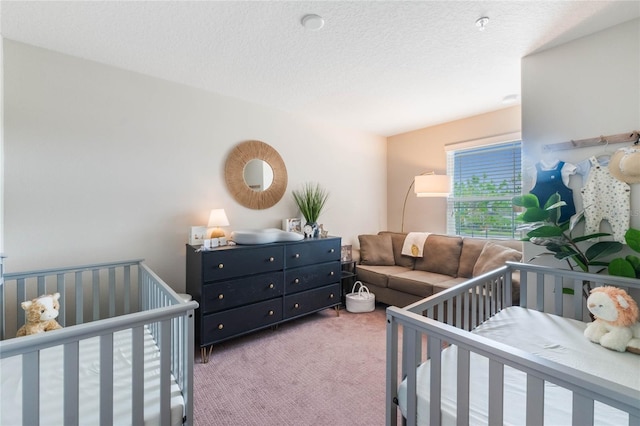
(412, 361)
(42, 288)
(540, 292)
(96, 294)
(535, 400)
(61, 288)
(71, 384)
(112, 292)
(577, 301)
(558, 299)
(391, 371)
(496, 392)
(582, 410)
(21, 290)
(435, 387)
(462, 402)
(106, 379)
(127, 289)
(524, 275)
(79, 298)
(31, 388)
(165, 372)
(137, 375)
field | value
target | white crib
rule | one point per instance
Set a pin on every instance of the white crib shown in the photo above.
(124, 356)
(455, 367)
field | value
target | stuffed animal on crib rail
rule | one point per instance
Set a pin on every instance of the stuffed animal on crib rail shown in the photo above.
(41, 314)
(616, 323)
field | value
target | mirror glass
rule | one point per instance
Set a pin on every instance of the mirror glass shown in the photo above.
(258, 175)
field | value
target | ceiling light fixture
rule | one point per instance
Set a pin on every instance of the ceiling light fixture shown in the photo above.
(481, 23)
(312, 22)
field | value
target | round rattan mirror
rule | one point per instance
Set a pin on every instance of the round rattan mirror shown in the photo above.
(234, 175)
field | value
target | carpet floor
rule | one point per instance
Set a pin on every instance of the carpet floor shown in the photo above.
(322, 369)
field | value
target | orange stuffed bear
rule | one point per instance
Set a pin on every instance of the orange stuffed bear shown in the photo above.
(41, 315)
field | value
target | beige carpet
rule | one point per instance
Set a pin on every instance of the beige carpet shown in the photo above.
(318, 370)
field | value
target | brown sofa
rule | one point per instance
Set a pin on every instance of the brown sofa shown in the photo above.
(399, 280)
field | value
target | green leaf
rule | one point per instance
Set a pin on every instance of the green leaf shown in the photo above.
(527, 201)
(556, 205)
(632, 237)
(621, 268)
(575, 219)
(545, 231)
(602, 249)
(553, 199)
(534, 214)
(566, 290)
(590, 237)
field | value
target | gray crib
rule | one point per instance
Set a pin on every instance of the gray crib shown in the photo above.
(99, 305)
(436, 345)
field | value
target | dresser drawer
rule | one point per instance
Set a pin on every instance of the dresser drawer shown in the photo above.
(224, 264)
(222, 325)
(312, 300)
(308, 277)
(241, 291)
(310, 252)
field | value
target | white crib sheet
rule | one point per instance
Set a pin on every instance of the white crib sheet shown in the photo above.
(51, 384)
(549, 336)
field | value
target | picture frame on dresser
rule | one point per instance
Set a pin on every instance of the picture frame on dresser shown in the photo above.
(293, 224)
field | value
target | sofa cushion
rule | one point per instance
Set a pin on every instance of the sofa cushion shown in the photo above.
(471, 249)
(494, 256)
(420, 283)
(445, 285)
(376, 275)
(376, 250)
(441, 255)
(397, 241)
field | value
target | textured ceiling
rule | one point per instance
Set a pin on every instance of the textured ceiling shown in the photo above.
(384, 67)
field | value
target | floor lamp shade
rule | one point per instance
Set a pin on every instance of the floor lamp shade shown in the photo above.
(431, 186)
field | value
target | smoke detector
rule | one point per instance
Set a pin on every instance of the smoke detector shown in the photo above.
(312, 22)
(481, 23)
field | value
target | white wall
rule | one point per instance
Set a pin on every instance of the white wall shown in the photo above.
(105, 164)
(582, 89)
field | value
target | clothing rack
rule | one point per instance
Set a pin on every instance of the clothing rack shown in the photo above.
(601, 140)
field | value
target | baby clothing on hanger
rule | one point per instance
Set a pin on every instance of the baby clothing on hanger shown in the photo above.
(606, 198)
(552, 179)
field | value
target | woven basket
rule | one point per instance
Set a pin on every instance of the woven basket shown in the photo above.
(362, 300)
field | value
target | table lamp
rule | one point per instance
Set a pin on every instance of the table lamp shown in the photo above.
(217, 218)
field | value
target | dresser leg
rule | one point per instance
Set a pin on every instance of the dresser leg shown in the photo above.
(204, 355)
(337, 308)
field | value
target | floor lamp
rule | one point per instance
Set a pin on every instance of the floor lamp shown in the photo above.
(427, 184)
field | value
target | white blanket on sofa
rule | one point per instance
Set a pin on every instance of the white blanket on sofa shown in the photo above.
(414, 244)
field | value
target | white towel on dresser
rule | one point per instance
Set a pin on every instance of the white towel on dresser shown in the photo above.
(414, 243)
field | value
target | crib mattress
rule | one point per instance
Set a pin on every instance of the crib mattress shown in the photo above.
(546, 335)
(51, 384)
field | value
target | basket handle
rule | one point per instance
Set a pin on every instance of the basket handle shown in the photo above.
(363, 287)
(358, 283)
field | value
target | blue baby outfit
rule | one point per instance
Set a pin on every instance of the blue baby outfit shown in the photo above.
(548, 182)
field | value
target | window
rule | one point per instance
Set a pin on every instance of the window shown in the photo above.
(485, 179)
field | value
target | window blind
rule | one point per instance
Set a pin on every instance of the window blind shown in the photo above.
(485, 179)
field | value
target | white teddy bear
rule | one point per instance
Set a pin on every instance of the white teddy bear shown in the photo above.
(616, 323)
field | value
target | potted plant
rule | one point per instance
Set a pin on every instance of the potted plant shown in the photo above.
(311, 199)
(544, 229)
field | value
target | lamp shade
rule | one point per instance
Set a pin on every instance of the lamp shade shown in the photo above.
(431, 186)
(218, 218)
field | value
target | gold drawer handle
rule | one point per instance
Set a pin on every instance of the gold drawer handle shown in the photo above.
(331, 273)
(271, 285)
(221, 296)
(296, 306)
(270, 313)
(221, 265)
(297, 255)
(332, 250)
(220, 326)
(271, 259)
(296, 281)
